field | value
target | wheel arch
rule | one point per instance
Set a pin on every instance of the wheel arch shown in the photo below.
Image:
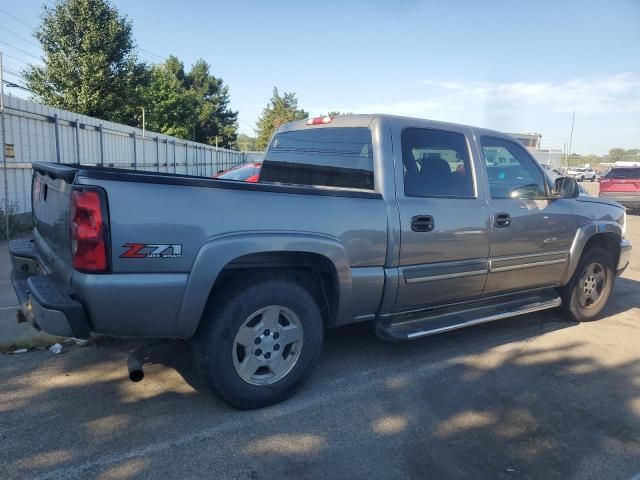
(286, 252)
(606, 234)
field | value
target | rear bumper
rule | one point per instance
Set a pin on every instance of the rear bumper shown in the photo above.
(625, 256)
(44, 300)
(627, 199)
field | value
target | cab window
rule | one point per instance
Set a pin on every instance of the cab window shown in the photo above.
(436, 164)
(327, 157)
(511, 170)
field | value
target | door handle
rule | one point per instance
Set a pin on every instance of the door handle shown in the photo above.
(502, 220)
(422, 223)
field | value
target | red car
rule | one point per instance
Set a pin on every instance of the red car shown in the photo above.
(248, 172)
(622, 184)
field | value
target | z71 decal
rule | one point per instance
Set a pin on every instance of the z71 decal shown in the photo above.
(152, 250)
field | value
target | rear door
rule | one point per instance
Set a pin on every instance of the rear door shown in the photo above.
(530, 234)
(443, 214)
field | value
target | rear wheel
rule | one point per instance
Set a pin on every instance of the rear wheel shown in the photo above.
(588, 291)
(259, 342)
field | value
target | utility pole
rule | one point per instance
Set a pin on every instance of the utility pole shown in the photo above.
(143, 140)
(573, 119)
(4, 153)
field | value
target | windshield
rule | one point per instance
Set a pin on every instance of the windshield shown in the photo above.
(239, 173)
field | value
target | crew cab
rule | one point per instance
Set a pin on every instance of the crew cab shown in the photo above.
(417, 226)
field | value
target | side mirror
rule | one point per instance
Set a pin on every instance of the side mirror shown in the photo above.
(566, 187)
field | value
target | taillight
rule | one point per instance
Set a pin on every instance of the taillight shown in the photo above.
(253, 178)
(89, 232)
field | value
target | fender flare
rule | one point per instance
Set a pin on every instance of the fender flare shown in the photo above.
(583, 235)
(217, 253)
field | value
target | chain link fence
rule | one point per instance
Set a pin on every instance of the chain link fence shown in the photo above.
(31, 132)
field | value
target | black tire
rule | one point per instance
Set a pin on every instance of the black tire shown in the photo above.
(227, 312)
(593, 179)
(570, 293)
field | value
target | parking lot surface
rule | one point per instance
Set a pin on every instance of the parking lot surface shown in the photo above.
(530, 397)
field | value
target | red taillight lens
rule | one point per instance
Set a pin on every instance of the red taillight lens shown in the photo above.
(319, 120)
(88, 230)
(253, 178)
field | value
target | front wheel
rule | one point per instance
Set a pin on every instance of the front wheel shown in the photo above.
(259, 342)
(587, 293)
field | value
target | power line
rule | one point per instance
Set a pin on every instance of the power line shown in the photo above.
(15, 85)
(19, 50)
(17, 19)
(151, 54)
(19, 75)
(20, 37)
(15, 61)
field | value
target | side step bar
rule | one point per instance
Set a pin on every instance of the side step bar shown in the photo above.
(443, 319)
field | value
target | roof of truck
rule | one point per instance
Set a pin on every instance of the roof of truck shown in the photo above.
(364, 120)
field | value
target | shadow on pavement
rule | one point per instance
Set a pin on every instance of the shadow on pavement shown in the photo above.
(494, 401)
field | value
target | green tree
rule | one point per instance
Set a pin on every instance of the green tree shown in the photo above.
(216, 120)
(616, 154)
(280, 109)
(193, 105)
(170, 108)
(89, 63)
(247, 143)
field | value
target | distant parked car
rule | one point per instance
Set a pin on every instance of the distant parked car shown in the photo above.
(248, 172)
(622, 184)
(582, 173)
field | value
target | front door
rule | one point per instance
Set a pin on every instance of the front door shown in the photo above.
(444, 218)
(531, 235)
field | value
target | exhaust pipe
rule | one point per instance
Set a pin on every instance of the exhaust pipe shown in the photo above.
(134, 364)
(144, 355)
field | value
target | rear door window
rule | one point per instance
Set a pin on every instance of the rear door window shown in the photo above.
(329, 157)
(436, 164)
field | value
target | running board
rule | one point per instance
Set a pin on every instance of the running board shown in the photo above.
(443, 319)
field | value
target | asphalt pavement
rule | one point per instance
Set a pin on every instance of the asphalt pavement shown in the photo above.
(530, 397)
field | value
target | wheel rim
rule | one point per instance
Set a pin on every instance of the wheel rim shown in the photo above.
(267, 345)
(591, 285)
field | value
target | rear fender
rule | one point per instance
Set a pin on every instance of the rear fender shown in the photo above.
(219, 252)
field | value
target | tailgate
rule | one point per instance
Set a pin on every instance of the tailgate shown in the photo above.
(620, 185)
(51, 197)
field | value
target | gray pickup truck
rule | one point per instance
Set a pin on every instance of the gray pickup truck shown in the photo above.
(418, 226)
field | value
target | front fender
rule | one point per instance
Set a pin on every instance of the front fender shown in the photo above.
(220, 251)
(584, 233)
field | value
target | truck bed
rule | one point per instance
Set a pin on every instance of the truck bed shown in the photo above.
(209, 223)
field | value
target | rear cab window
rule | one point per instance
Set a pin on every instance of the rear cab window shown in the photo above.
(335, 157)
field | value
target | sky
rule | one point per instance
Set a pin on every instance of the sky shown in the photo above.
(508, 65)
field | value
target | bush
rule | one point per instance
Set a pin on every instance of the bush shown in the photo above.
(14, 222)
